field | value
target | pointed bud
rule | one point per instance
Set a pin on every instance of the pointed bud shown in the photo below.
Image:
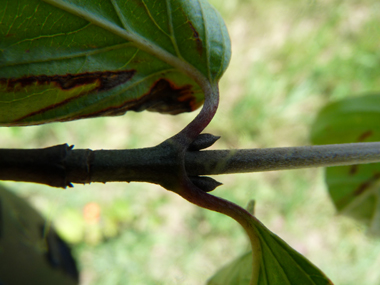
(207, 184)
(203, 141)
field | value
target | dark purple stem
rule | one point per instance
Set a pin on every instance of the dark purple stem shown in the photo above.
(200, 122)
(186, 189)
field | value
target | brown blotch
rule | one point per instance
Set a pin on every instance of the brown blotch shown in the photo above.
(365, 185)
(106, 80)
(198, 40)
(353, 170)
(364, 136)
(163, 97)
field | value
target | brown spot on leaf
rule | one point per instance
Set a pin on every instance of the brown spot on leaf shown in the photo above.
(365, 185)
(163, 97)
(196, 37)
(353, 170)
(106, 80)
(364, 136)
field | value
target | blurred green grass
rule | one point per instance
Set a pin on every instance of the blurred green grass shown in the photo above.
(289, 59)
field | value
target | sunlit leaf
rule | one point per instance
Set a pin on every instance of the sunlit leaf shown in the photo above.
(355, 190)
(279, 264)
(70, 59)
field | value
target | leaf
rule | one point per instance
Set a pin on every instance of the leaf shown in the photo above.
(34, 252)
(279, 264)
(64, 60)
(238, 272)
(355, 189)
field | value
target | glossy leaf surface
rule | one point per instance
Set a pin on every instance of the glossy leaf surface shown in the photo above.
(279, 264)
(70, 59)
(354, 190)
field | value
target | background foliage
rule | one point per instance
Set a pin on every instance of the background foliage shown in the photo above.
(289, 59)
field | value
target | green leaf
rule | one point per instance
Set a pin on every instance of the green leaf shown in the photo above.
(70, 59)
(278, 264)
(355, 189)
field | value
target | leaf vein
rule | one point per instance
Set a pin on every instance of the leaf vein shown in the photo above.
(297, 264)
(171, 29)
(132, 57)
(273, 256)
(153, 20)
(120, 15)
(152, 75)
(50, 36)
(73, 55)
(5, 10)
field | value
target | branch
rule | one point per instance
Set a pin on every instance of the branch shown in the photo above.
(214, 162)
(61, 165)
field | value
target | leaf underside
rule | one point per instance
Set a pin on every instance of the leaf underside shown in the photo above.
(354, 189)
(279, 264)
(64, 60)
